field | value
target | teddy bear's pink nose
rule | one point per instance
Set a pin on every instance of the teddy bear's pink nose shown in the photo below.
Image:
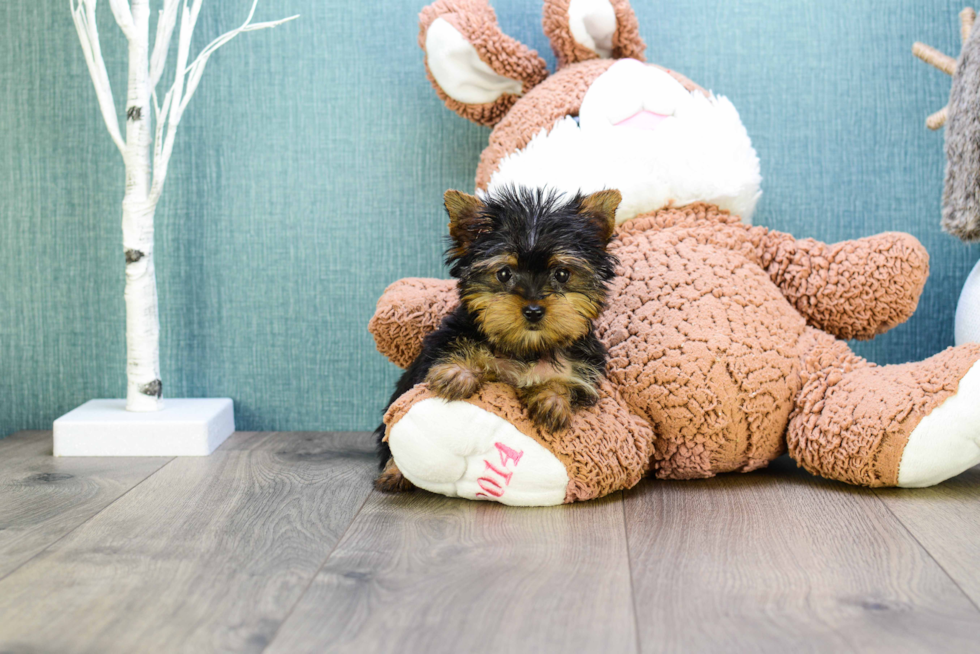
(643, 119)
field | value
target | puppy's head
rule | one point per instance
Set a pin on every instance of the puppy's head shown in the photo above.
(532, 265)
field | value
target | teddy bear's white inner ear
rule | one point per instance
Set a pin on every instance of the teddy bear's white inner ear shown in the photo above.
(458, 69)
(592, 24)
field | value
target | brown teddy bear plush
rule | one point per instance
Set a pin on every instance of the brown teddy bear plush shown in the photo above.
(722, 337)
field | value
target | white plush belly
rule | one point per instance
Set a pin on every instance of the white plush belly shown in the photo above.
(641, 132)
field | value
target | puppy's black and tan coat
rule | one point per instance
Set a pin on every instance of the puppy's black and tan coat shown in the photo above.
(533, 272)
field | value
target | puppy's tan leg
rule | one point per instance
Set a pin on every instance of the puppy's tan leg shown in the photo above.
(460, 374)
(550, 404)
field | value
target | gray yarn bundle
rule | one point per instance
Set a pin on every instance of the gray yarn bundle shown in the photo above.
(961, 196)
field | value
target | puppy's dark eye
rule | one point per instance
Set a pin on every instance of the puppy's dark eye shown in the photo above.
(562, 275)
(503, 275)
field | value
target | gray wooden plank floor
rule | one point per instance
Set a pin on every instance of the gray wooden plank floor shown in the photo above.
(780, 561)
(207, 554)
(945, 519)
(425, 573)
(276, 543)
(43, 498)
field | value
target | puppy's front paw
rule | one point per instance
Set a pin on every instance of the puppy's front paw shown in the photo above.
(453, 381)
(584, 396)
(550, 408)
(391, 480)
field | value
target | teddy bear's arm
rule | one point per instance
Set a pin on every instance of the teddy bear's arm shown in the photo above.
(852, 289)
(407, 311)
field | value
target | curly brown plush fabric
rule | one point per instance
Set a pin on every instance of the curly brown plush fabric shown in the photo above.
(407, 311)
(606, 448)
(626, 39)
(828, 284)
(721, 336)
(558, 96)
(701, 342)
(545, 100)
(853, 419)
(716, 358)
(477, 22)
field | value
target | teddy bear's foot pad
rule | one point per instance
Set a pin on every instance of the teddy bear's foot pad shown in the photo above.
(947, 441)
(460, 450)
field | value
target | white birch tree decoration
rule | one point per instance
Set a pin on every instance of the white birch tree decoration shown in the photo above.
(146, 153)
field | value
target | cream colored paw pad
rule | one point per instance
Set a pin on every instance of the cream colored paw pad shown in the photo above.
(460, 450)
(947, 441)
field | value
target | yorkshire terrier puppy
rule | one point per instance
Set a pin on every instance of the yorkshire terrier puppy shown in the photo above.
(533, 272)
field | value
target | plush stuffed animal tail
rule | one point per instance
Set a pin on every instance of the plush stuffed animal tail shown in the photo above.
(961, 196)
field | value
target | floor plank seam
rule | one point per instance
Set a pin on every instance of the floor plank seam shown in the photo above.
(629, 567)
(926, 550)
(299, 598)
(85, 521)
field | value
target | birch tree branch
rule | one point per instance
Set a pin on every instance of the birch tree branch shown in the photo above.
(83, 15)
(163, 148)
(196, 69)
(166, 22)
(161, 116)
(186, 79)
(124, 17)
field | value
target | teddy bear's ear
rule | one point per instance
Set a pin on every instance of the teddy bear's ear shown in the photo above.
(466, 221)
(601, 207)
(580, 30)
(477, 70)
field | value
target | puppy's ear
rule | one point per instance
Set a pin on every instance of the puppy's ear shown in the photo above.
(466, 220)
(601, 207)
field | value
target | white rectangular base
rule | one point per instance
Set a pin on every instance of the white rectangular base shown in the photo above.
(184, 427)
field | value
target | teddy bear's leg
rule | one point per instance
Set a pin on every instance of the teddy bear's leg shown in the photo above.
(947, 441)
(486, 448)
(915, 424)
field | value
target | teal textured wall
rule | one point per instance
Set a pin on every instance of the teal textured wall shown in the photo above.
(310, 167)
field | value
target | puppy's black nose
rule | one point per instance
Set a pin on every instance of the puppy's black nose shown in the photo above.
(533, 312)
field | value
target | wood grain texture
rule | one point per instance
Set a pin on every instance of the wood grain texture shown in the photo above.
(253, 549)
(310, 444)
(209, 554)
(27, 443)
(421, 573)
(42, 498)
(945, 519)
(779, 561)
